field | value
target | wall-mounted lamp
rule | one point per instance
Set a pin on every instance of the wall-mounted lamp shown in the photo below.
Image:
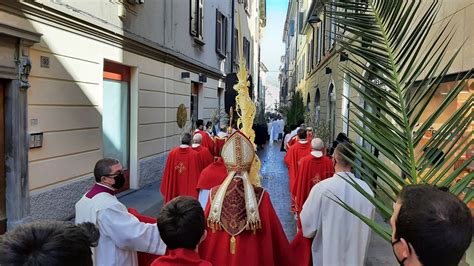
(343, 57)
(202, 78)
(328, 70)
(313, 19)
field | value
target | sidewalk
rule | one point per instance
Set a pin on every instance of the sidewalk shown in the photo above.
(147, 200)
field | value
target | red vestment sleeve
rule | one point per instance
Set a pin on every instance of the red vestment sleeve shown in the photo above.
(267, 246)
(300, 250)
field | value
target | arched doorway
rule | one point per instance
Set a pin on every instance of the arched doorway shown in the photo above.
(331, 111)
(317, 105)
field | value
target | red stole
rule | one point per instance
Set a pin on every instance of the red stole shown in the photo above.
(205, 155)
(292, 158)
(310, 171)
(206, 140)
(213, 175)
(182, 170)
(267, 246)
(96, 189)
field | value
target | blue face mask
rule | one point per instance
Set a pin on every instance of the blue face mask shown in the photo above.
(402, 261)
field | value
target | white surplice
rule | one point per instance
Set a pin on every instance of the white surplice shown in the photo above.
(204, 197)
(340, 238)
(121, 234)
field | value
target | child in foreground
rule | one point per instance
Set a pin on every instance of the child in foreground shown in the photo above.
(181, 223)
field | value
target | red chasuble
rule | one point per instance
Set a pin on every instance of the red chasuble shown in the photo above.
(267, 246)
(205, 156)
(180, 257)
(219, 143)
(310, 171)
(292, 159)
(182, 170)
(206, 140)
(213, 175)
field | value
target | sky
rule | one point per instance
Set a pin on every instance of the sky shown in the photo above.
(272, 47)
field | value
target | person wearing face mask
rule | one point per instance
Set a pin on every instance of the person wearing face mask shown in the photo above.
(121, 233)
(430, 227)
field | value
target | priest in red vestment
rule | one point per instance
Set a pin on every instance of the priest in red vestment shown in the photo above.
(204, 154)
(313, 168)
(182, 170)
(206, 139)
(219, 140)
(243, 228)
(295, 153)
(211, 176)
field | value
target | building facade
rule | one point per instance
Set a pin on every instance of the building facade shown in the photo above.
(106, 80)
(312, 66)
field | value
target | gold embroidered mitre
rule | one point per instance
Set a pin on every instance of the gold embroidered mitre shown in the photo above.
(238, 154)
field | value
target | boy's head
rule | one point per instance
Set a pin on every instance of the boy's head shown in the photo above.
(49, 243)
(181, 223)
(430, 226)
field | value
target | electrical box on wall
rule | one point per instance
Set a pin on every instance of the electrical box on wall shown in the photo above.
(36, 140)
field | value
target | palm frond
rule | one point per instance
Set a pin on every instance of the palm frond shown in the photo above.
(395, 43)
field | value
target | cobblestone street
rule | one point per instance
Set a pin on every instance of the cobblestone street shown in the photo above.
(276, 182)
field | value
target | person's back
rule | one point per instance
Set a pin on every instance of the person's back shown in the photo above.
(182, 170)
(340, 238)
(182, 226)
(243, 226)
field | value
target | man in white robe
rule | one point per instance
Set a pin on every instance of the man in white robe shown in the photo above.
(121, 234)
(340, 238)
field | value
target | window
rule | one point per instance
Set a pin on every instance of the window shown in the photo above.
(246, 51)
(308, 65)
(196, 20)
(235, 44)
(318, 46)
(323, 37)
(221, 34)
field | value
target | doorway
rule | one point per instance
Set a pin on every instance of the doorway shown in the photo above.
(332, 112)
(194, 103)
(116, 116)
(3, 207)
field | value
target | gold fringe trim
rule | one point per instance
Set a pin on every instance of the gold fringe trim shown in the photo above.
(232, 245)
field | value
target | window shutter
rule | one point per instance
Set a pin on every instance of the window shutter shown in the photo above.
(224, 36)
(201, 18)
(218, 31)
(192, 17)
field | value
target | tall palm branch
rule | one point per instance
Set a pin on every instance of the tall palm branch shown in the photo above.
(392, 41)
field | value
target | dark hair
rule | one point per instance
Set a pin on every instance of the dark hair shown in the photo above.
(103, 167)
(181, 223)
(199, 123)
(186, 139)
(209, 124)
(345, 154)
(301, 133)
(436, 223)
(49, 243)
(300, 122)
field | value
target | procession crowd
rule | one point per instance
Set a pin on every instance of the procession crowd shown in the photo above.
(216, 212)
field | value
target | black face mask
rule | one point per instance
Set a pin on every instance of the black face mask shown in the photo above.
(119, 181)
(401, 262)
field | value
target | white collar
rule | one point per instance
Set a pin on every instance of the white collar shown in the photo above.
(183, 146)
(317, 154)
(195, 145)
(303, 141)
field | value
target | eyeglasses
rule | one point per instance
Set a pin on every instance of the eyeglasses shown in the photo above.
(116, 174)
